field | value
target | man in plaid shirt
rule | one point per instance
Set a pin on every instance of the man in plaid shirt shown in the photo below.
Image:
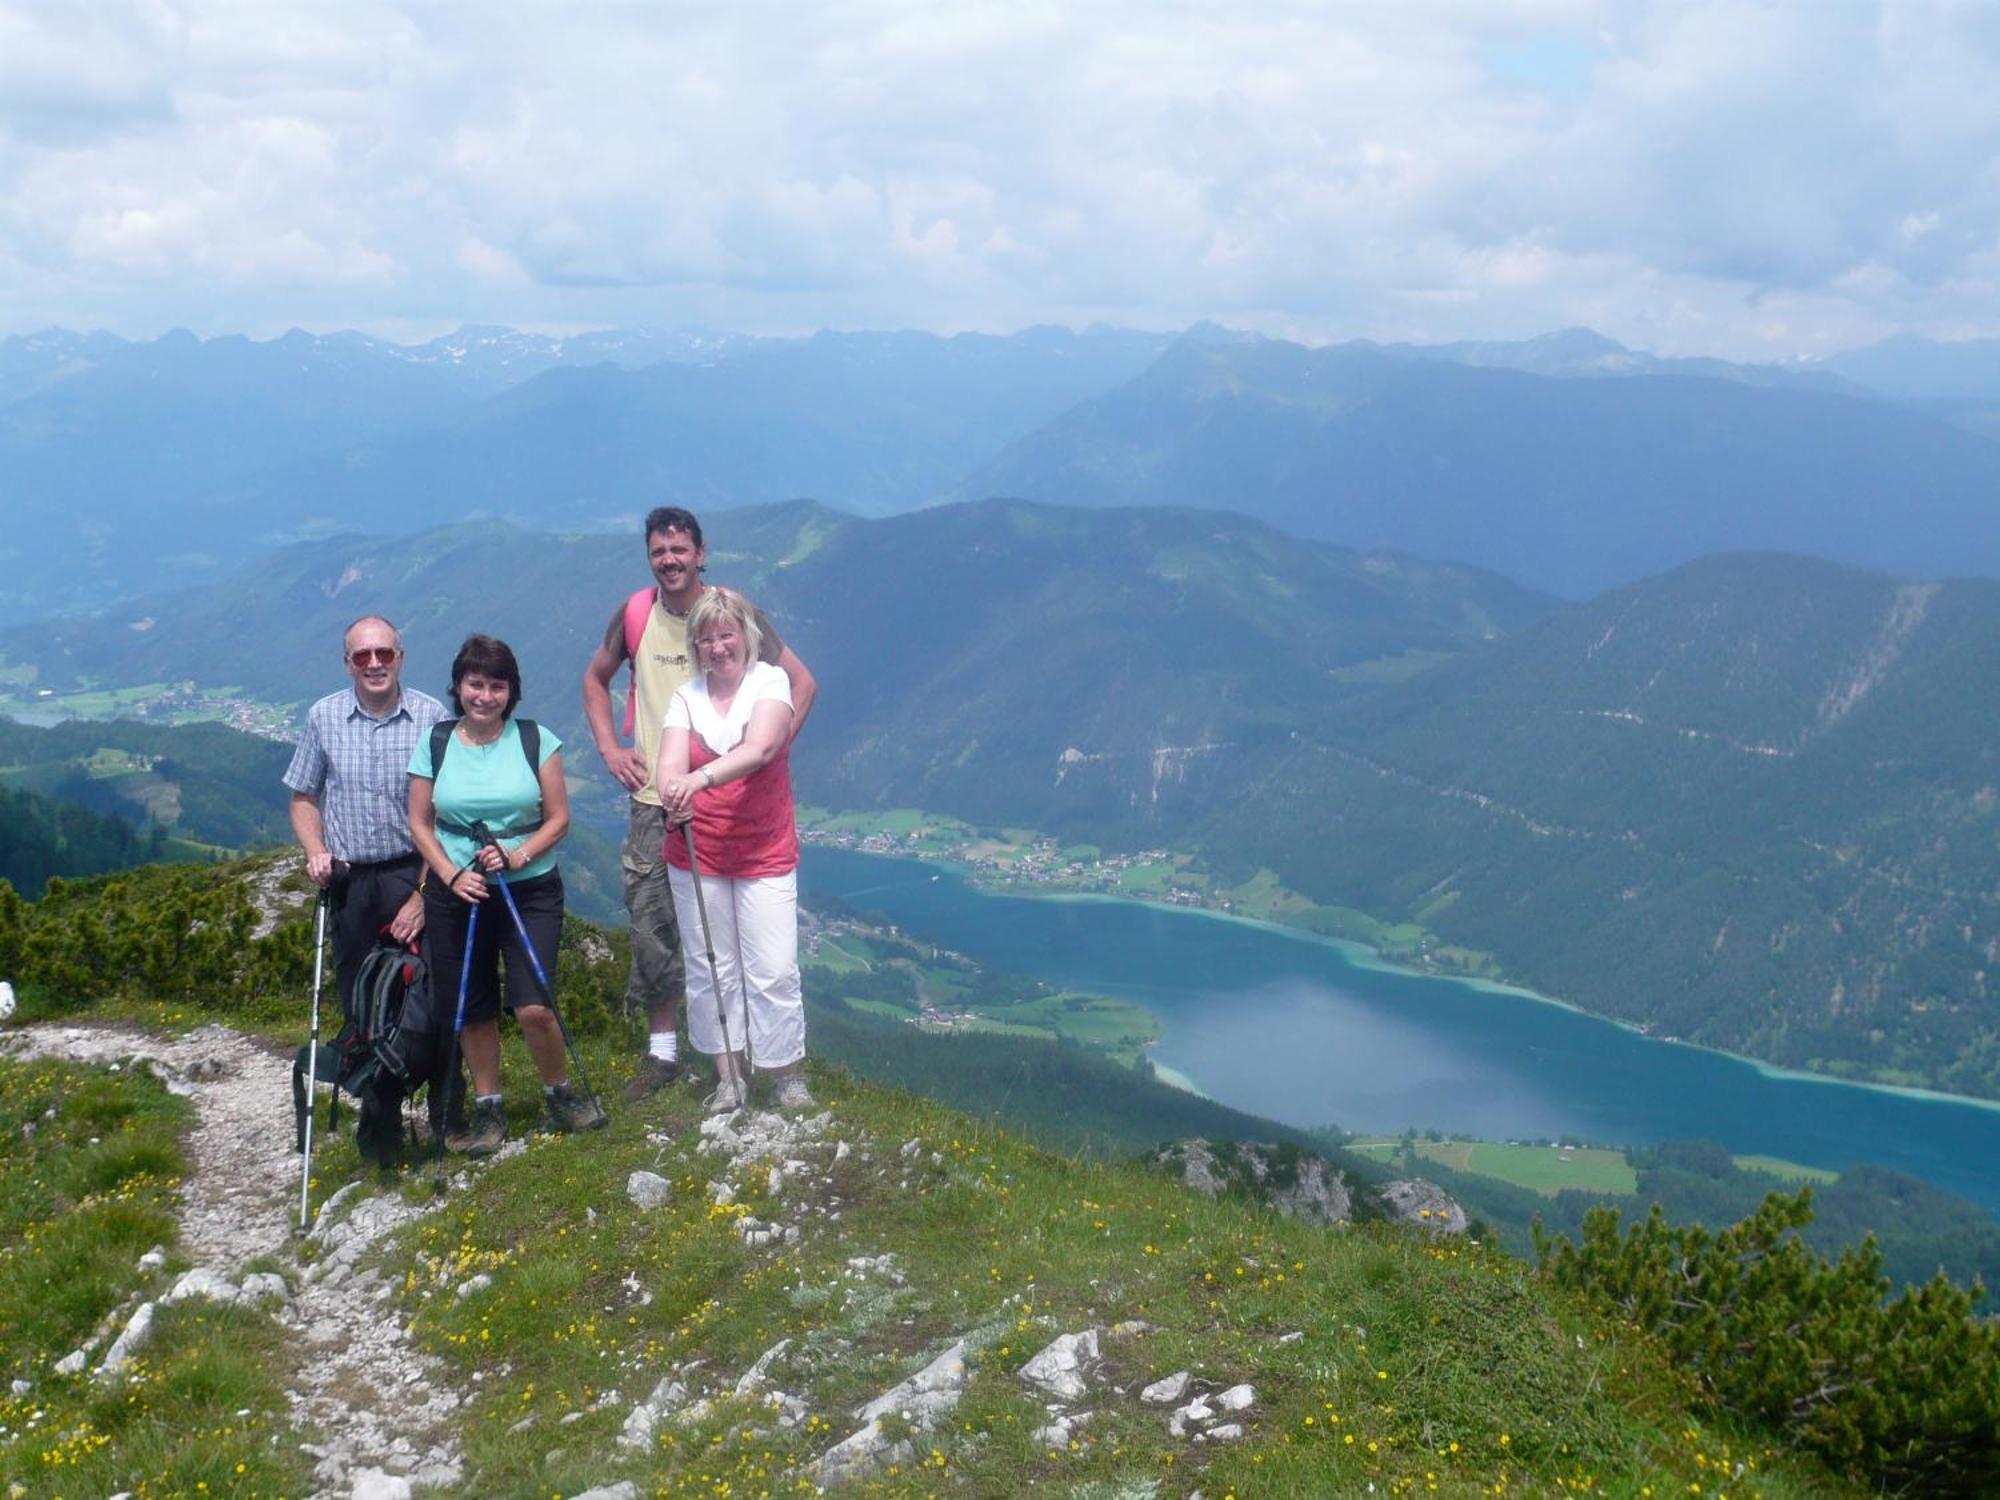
(350, 783)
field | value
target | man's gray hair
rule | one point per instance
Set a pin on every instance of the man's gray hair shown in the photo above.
(356, 624)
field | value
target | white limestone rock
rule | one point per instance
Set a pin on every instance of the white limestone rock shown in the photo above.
(1063, 1366)
(1424, 1204)
(648, 1189)
(758, 1377)
(202, 1282)
(921, 1400)
(128, 1343)
(926, 1395)
(1166, 1391)
(379, 1484)
(670, 1395)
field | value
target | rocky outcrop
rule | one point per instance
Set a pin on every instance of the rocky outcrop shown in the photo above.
(1424, 1204)
(1303, 1186)
(1297, 1183)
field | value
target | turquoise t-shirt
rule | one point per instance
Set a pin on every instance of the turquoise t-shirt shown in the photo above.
(490, 784)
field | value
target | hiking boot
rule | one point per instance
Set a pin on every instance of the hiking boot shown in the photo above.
(790, 1093)
(447, 1099)
(484, 1133)
(654, 1074)
(378, 1135)
(569, 1110)
(729, 1096)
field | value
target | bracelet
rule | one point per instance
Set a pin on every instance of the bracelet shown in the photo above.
(707, 779)
(456, 876)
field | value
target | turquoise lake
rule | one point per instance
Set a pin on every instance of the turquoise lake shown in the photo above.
(1305, 1032)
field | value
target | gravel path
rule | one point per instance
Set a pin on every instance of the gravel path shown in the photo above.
(383, 1407)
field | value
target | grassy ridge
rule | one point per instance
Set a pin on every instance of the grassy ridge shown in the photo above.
(1418, 1367)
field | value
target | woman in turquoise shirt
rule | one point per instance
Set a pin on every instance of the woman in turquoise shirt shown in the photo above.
(487, 776)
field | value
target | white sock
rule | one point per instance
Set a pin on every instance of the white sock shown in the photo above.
(665, 1045)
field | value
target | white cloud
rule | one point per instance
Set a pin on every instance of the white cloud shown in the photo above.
(1743, 178)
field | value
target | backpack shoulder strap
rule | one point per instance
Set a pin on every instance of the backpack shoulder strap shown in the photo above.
(440, 742)
(531, 744)
(638, 610)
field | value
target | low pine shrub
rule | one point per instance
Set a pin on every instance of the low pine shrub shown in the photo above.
(1901, 1393)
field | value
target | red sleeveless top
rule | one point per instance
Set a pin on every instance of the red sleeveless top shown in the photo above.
(744, 828)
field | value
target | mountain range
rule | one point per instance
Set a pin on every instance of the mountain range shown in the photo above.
(1749, 802)
(177, 460)
(1567, 462)
(1571, 485)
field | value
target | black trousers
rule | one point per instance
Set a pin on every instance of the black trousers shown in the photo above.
(446, 918)
(363, 905)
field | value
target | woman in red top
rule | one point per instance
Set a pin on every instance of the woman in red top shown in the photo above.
(724, 766)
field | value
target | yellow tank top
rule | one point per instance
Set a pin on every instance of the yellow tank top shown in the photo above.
(664, 662)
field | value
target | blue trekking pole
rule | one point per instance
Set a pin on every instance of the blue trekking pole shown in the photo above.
(457, 1025)
(486, 835)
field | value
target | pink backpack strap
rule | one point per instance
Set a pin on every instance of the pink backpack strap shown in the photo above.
(638, 610)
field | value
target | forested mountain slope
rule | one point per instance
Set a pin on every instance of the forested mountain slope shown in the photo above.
(1751, 803)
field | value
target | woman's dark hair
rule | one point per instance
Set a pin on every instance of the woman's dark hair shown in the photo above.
(489, 658)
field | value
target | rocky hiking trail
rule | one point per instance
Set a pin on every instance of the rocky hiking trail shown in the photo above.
(359, 1379)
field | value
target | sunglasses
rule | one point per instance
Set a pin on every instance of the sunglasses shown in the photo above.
(374, 656)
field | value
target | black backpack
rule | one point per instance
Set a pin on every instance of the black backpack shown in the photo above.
(388, 1045)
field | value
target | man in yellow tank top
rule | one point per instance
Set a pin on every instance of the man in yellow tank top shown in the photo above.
(660, 661)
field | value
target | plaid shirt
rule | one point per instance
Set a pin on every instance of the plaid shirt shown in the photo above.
(357, 768)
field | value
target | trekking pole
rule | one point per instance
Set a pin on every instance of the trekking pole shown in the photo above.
(444, 1079)
(312, 1061)
(486, 835)
(714, 973)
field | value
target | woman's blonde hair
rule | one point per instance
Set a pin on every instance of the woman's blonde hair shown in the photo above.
(719, 604)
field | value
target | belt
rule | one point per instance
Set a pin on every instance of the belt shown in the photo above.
(395, 862)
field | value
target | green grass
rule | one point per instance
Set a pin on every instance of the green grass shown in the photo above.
(1145, 880)
(103, 703)
(883, 1008)
(1118, 1027)
(841, 955)
(83, 1195)
(1542, 1169)
(106, 763)
(1789, 1171)
(1422, 1367)
(941, 986)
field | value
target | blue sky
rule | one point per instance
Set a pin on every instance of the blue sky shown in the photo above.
(1759, 180)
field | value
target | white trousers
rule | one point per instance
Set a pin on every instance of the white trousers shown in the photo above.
(755, 926)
